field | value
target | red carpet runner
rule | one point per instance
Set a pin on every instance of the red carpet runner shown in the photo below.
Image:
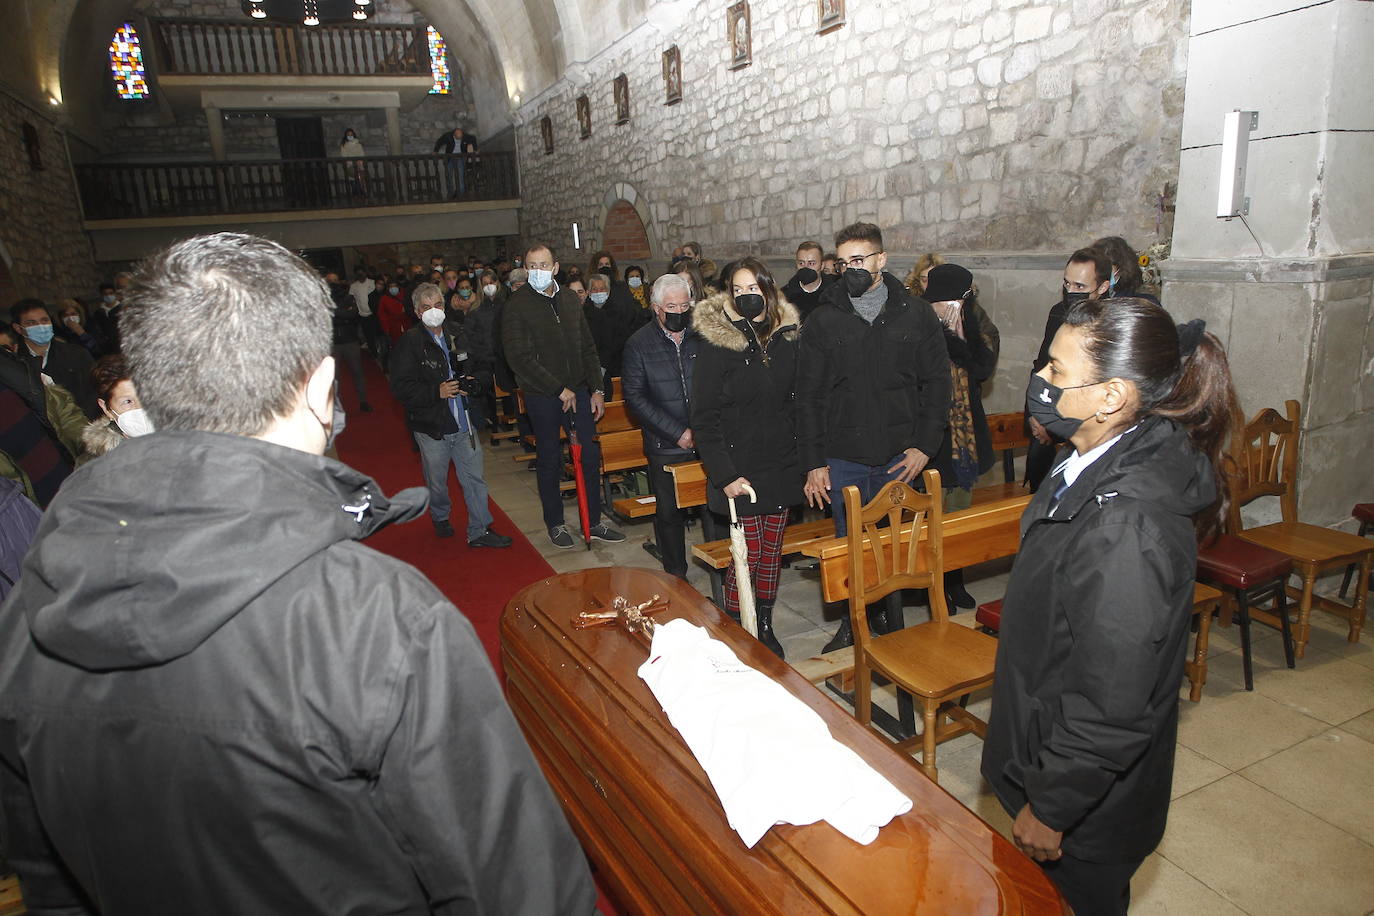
(478, 580)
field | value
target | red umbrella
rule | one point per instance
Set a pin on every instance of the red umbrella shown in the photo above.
(575, 447)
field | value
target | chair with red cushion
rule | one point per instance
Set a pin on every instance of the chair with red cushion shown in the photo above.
(1253, 574)
(1364, 512)
(989, 616)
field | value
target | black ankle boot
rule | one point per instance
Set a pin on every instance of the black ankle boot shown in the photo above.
(843, 638)
(763, 614)
(956, 596)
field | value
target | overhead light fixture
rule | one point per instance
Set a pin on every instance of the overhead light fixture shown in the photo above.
(257, 12)
(52, 100)
(360, 14)
(362, 2)
(312, 13)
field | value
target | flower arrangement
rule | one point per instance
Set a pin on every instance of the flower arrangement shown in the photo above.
(1149, 263)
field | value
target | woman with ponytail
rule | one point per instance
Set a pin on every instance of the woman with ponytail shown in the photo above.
(1080, 744)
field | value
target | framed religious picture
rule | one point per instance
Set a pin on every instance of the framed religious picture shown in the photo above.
(672, 76)
(737, 24)
(621, 86)
(546, 130)
(584, 116)
(831, 16)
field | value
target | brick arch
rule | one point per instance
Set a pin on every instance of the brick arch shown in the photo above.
(624, 235)
(627, 229)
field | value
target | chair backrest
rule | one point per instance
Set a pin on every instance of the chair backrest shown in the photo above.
(1008, 433)
(905, 552)
(615, 418)
(621, 450)
(1265, 452)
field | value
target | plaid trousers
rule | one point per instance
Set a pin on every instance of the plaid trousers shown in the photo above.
(763, 534)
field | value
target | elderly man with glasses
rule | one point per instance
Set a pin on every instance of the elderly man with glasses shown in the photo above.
(873, 383)
(657, 379)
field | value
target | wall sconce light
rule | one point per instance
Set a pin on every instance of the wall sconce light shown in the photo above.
(52, 100)
(257, 12)
(360, 14)
(362, 2)
(312, 13)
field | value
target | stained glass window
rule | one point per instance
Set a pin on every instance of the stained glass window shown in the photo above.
(126, 64)
(438, 62)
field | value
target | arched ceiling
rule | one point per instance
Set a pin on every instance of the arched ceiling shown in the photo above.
(511, 50)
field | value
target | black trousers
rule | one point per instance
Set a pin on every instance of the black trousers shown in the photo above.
(670, 522)
(1093, 888)
(547, 417)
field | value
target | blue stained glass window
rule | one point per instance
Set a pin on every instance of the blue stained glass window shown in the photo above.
(126, 64)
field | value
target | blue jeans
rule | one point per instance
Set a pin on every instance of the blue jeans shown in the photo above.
(457, 174)
(435, 455)
(867, 478)
(546, 417)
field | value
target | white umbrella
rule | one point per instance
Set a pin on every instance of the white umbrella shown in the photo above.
(739, 553)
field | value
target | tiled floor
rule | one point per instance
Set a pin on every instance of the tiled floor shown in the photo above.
(1273, 807)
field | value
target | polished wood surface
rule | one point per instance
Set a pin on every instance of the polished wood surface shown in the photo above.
(649, 819)
(972, 536)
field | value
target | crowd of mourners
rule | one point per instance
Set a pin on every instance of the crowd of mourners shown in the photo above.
(843, 375)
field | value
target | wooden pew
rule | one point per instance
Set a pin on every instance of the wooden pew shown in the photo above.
(616, 417)
(1008, 435)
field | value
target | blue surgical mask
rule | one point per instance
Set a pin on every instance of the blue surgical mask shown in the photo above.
(465, 293)
(40, 334)
(635, 282)
(599, 298)
(540, 279)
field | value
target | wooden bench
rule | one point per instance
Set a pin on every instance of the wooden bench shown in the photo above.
(1008, 435)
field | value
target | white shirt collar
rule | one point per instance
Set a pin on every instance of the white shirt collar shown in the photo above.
(1076, 464)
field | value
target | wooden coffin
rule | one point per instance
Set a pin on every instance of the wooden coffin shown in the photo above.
(647, 815)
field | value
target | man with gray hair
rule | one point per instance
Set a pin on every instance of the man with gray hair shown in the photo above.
(213, 699)
(440, 387)
(657, 380)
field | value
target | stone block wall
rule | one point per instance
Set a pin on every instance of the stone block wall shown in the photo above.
(981, 125)
(48, 252)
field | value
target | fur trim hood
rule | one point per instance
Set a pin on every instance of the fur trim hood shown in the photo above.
(100, 436)
(710, 321)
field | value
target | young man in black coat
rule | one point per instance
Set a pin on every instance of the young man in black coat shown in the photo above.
(808, 284)
(67, 364)
(659, 360)
(873, 385)
(432, 377)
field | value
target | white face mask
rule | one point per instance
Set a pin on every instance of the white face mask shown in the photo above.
(134, 423)
(489, 290)
(432, 317)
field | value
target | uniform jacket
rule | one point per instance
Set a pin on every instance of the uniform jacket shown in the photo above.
(1090, 656)
(214, 699)
(547, 342)
(866, 392)
(658, 387)
(744, 409)
(417, 367)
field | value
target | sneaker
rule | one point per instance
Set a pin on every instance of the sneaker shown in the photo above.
(604, 532)
(490, 538)
(443, 529)
(560, 537)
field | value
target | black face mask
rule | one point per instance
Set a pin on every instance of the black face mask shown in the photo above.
(857, 281)
(749, 306)
(677, 322)
(1075, 298)
(1042, 403)
(605, 270)
(806, 276)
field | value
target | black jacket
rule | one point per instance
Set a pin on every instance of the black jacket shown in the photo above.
(1094, 631)
(611, 325)
(976, 354)
(417, 366)
(547, 343)
(658, 386)
(806, 302)
(70, 366)
(213, 699)
(347, 321)
(447, 144)
(744, 409)
(105, 326)
(866, 392)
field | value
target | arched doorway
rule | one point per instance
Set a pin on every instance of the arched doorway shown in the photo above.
(626, 228)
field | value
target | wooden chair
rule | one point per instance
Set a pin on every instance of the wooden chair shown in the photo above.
(1364, 514)
(1252, 574)
(1266, 455)
(936, 662)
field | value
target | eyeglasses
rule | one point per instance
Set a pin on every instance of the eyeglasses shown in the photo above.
(857, 262)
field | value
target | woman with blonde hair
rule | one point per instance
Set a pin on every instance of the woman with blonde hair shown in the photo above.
(916, 280)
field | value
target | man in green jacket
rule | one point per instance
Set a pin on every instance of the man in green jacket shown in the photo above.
(40, 430)
(551, 352)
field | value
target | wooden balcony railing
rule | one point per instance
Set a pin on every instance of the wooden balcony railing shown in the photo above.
(165, 189)
(199, 47)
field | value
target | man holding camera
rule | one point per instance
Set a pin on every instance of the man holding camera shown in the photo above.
(435, 381)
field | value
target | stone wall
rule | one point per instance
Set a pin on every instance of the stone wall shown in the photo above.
(982, 125)
(50, 256)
